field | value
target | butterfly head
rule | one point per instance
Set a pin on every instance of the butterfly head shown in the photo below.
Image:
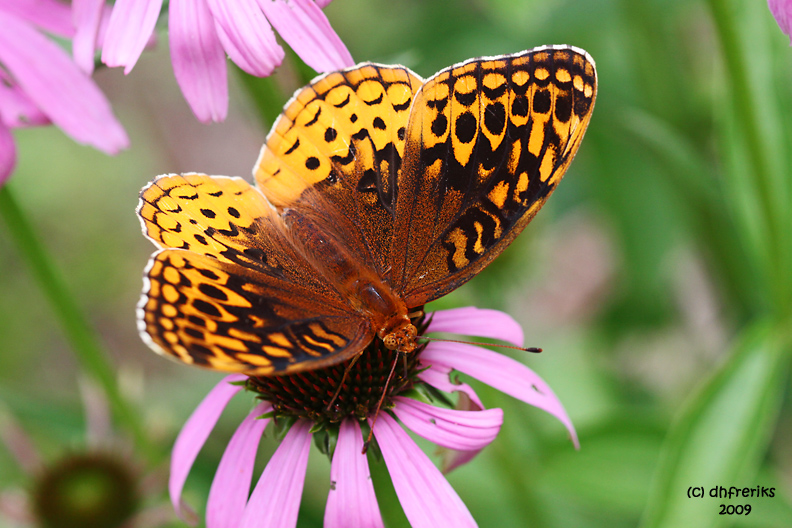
(402, 338)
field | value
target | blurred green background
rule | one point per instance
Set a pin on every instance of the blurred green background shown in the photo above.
(657, 279)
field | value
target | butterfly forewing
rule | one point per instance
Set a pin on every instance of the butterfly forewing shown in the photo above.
(335, 152)
(487, 142)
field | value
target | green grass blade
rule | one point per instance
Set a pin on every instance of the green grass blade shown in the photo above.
(721, 435)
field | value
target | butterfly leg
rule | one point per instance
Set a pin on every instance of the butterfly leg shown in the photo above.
(343, 379)
(382, 398)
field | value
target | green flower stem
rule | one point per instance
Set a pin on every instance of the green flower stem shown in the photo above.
(264, 94)
(747, 105)
(83, 339)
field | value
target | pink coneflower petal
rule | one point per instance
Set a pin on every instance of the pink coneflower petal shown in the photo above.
(275, 501)
(50, 15)
(501, 372)
(352, 501)
(323, 3)
(7, 153)
(16, 108)
(54, 83)
(104, 23)
(426, 496)
(463, 430)
(453, 458)
(130, 28)
(438, 377)
(782, 11)
(87, 16)
(306, 29)
(195, 432)
(199, 61)
(246, 36)
(464, 433)
(231, 485)
(474, 321)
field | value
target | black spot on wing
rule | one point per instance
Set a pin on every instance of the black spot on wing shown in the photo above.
(465, 127)
(495, 118)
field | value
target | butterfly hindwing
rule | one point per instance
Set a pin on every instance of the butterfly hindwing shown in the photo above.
(224, 316)
(487, 142)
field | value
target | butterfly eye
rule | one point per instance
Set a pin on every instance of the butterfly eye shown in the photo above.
(402, 338)
(391, 341)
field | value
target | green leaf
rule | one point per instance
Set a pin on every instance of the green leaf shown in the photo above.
(691, 176)
(722, 433)
(742, 28)
(627, 445)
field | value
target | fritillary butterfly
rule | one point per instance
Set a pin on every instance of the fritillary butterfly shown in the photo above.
(376, 192)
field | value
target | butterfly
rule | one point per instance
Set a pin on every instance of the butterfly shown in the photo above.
(376, 192)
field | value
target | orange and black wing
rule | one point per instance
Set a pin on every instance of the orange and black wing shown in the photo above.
(487, 142)
(335, 153)
(229, 291)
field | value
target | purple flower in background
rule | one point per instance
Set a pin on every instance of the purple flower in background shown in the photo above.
(425, 495)
(782, 11)
(202, 32)
(40, 84)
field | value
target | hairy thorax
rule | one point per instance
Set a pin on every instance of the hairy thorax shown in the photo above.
(367, 293)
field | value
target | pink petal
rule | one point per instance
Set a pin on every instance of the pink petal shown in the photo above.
(7, 153)
(782, 11)
(453, 458)
(54, 83)
(306, 29)
(463, 430)
(438, 377)
(87, 15)
(474, 321)
(246, 36)
(199, 61)
(104, 23)
(131, 25)
(231, 485)
(195, 432)
(50, 15)
(426, 496)
(500, 372)
(275, 501)
(16, 108)
(323, 3)
(463, 433)
(352, 501)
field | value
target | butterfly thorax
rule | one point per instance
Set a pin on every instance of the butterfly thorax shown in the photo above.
(357, 282)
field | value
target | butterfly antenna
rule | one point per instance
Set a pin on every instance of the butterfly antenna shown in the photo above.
(379, 403)
(343, 379)
(534, 350)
